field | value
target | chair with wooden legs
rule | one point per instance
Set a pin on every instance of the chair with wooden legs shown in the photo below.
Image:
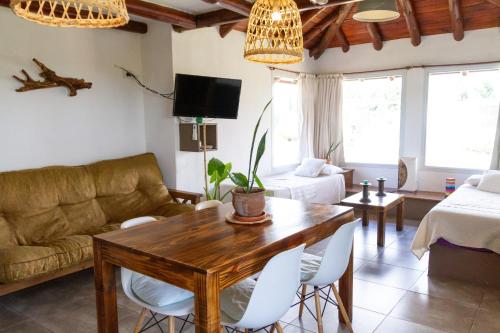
(322, 273)
(252, 304)
(154, 296)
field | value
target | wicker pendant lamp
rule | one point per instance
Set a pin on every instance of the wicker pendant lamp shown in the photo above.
(274, 34)
(73, 13)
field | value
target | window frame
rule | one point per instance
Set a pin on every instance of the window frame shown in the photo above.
(289, 79)
(423, 149)
(402, 116)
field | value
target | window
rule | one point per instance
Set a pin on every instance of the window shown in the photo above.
(286, 124)
(371, 112)
(462, 111)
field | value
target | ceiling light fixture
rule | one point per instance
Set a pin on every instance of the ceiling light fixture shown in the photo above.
(274, 34)
(376, 11)
(73, 13)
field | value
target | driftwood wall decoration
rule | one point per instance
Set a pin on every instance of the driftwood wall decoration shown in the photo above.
(51, 80)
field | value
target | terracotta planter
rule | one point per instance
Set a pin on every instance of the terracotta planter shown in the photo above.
(248, 204)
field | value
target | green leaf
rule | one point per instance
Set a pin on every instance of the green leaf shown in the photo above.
(215, 165)
(239, 179)
(254, 136)
(259, 183)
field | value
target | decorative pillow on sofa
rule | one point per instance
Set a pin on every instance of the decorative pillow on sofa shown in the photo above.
(490, 181)
(474, 180)
(310, 167)
(330, 169)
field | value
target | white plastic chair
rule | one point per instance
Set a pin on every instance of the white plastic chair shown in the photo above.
(207, 204)
(182, 308)
(254, 304)
(325, 271)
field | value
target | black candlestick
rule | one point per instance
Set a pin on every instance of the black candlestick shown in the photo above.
(381, 181)
(366, 193)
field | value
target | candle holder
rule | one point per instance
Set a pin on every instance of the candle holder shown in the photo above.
(381, 187)
(366, 193)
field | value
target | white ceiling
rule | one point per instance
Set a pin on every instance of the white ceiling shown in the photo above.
(189, 6)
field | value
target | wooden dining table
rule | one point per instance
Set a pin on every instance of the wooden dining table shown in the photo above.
(203, 253)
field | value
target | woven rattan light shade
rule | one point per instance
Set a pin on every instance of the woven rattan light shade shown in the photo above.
(277, 41)
(73, 13)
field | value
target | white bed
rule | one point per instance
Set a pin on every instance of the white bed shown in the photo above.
(322, 189)
(469, 217)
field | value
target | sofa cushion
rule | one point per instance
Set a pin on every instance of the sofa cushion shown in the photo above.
(23, 262)
(129, 187)
(7, 238)
(72, 250)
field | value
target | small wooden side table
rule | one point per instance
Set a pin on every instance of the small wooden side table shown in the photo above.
(381, 205)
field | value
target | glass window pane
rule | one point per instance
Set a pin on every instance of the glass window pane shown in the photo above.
(286, 124)
(371, 112)
(462, 111)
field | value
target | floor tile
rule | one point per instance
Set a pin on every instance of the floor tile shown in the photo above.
(10, 318)
(486, 321)
(402, 258)
(393, 325)
(28, 326)
(364, 321)
(375, 297)
(366, 251)
(404, 243)
(435, 312)
(491, 299)
(388, 275)
(449, 289)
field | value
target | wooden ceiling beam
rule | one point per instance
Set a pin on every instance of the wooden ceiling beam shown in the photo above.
(238, 6)
(374, 32)
(343, 40)
(131, 26)
(411, 21)
(494, 2)
(311, 35)
(161, 13)
(308, 5)
(457, 22)
(225, 29)
(332, 30)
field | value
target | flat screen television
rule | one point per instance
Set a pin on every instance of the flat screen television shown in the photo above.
(208, 97)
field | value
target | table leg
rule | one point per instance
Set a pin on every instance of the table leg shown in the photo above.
(105, 291)
(381, 228)
(400, 216)
(365, 218)
(345, 288)
(206, 297)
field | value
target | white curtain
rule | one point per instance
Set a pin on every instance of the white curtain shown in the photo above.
(308, 87)
(495, 160)
(328, 117)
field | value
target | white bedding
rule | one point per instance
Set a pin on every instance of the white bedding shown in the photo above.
(322, 189)
(469, 217)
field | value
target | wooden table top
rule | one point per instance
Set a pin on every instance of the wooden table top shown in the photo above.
(183, 239)
(389, 200)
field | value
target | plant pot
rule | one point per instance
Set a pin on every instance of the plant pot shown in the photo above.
(248, 204)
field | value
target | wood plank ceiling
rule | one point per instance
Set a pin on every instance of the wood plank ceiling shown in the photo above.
(331, 25)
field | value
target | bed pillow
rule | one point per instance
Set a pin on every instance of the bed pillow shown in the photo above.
(490, 182)
(474, 180)
(310, 167)
(330, 169)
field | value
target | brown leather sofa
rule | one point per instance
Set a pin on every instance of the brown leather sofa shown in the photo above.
(48, 215)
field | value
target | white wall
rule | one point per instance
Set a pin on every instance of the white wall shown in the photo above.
(477, 46)
(47, 127)
(203, 52)
(160, 126)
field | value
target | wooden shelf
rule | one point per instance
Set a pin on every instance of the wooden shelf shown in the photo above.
(418, 195)
(186, 137)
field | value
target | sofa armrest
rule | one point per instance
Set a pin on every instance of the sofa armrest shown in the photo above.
(185, 197)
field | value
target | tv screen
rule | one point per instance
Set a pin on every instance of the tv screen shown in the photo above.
(208, 97)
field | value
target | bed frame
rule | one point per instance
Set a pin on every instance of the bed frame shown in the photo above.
(461, 263)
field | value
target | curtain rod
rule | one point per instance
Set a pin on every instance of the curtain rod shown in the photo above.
(394, 69)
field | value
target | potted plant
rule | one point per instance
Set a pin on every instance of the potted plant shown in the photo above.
(249, 201)
(218, 172)
(333, 147)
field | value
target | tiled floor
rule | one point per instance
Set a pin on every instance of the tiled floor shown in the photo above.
(392, 294)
